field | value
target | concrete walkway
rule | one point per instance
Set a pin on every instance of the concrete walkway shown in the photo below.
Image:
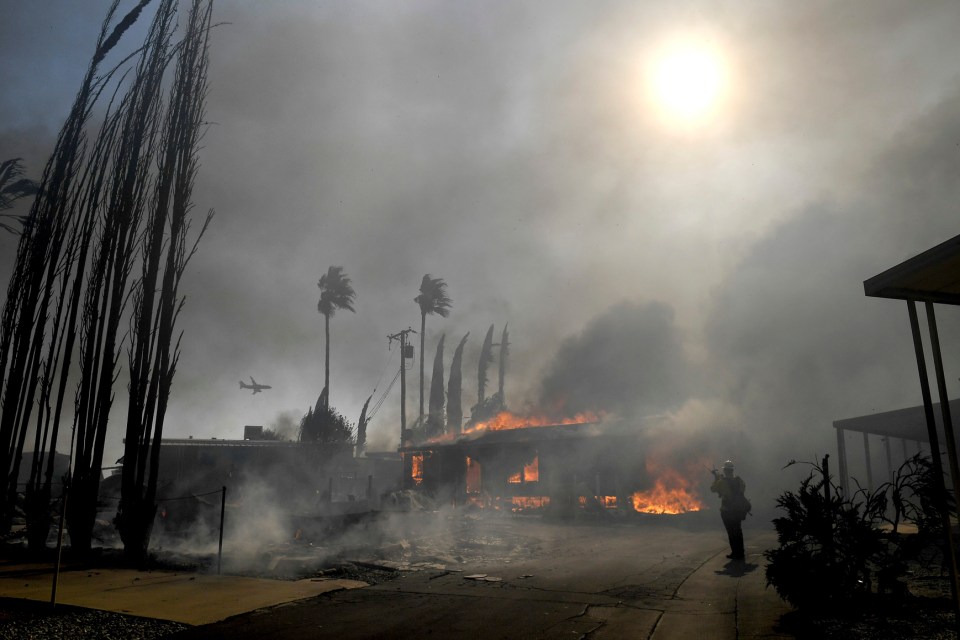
(191, 598)
(724, 599)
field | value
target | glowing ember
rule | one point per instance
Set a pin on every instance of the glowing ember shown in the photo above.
(671, 493)
(521, 502)
(608, 502)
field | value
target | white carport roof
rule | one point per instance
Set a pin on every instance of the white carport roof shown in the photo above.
(932, 276)
(909, 423)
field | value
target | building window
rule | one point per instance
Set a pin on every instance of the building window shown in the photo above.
(417, 473)
(473, 476)
(530, 472)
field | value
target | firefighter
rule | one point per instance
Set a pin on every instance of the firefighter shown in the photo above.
(734, 506)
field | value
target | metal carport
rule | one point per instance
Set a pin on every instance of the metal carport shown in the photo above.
(932, 277)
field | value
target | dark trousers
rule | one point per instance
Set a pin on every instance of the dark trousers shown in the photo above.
(734, 532)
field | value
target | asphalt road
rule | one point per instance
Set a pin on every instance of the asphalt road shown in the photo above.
(524, 578)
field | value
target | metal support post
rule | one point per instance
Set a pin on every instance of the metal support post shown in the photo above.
(886, 448)
(842, 458)
(405, 462)
(950, 441)
(223, 511)
(935, 452)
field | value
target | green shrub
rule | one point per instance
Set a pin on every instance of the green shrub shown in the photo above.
(325, 425)
(832, 552)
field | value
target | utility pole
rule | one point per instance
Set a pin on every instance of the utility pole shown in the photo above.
(406, 351)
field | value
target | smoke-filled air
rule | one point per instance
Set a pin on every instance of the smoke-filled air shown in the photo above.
(653, 215)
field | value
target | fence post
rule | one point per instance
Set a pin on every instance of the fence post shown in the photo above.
(56, 567)
(828, 541)
(223, 509)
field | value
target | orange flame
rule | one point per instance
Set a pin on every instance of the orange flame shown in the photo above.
(529, 473)
(505, 421)
(417, 465)
(473, 475)
(607, 502)
(671, 493)
(521, 502)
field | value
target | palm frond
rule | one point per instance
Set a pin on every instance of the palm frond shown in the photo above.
(433, 297)
(336, 292)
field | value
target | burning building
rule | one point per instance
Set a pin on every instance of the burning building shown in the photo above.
(519, 464)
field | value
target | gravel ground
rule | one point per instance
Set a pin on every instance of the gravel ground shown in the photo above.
(925, 613)
(28, 620)
(925, 622)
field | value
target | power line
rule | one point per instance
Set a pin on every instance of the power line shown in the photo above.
(383, 396)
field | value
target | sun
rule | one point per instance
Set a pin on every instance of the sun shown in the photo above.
(687, 82)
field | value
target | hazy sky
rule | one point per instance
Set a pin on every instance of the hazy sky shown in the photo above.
(711, 270)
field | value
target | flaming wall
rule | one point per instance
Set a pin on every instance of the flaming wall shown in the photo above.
(533, 467)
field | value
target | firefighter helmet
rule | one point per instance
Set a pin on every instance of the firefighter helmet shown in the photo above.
(728, 465)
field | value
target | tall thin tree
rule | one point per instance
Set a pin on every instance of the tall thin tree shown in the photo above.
(486, 357)
(336, 292)
(111, 284)
(154, 349)
(432, 300)
(50, 253)
(455, 389)
(504, 353)
(435, 417)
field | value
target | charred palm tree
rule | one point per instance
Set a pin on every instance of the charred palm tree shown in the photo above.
(486, 357)
(504, 353)
(336, 292)
(488, 407)
(432, 300)
(435, 421)
(454, 389)
(362, 429)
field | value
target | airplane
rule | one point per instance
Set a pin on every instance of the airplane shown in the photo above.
(257, 388)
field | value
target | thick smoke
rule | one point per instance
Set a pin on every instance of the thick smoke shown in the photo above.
(286, 425)
(628, 361)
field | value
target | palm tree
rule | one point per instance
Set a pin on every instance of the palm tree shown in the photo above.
(432, 299)
(336, 292)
